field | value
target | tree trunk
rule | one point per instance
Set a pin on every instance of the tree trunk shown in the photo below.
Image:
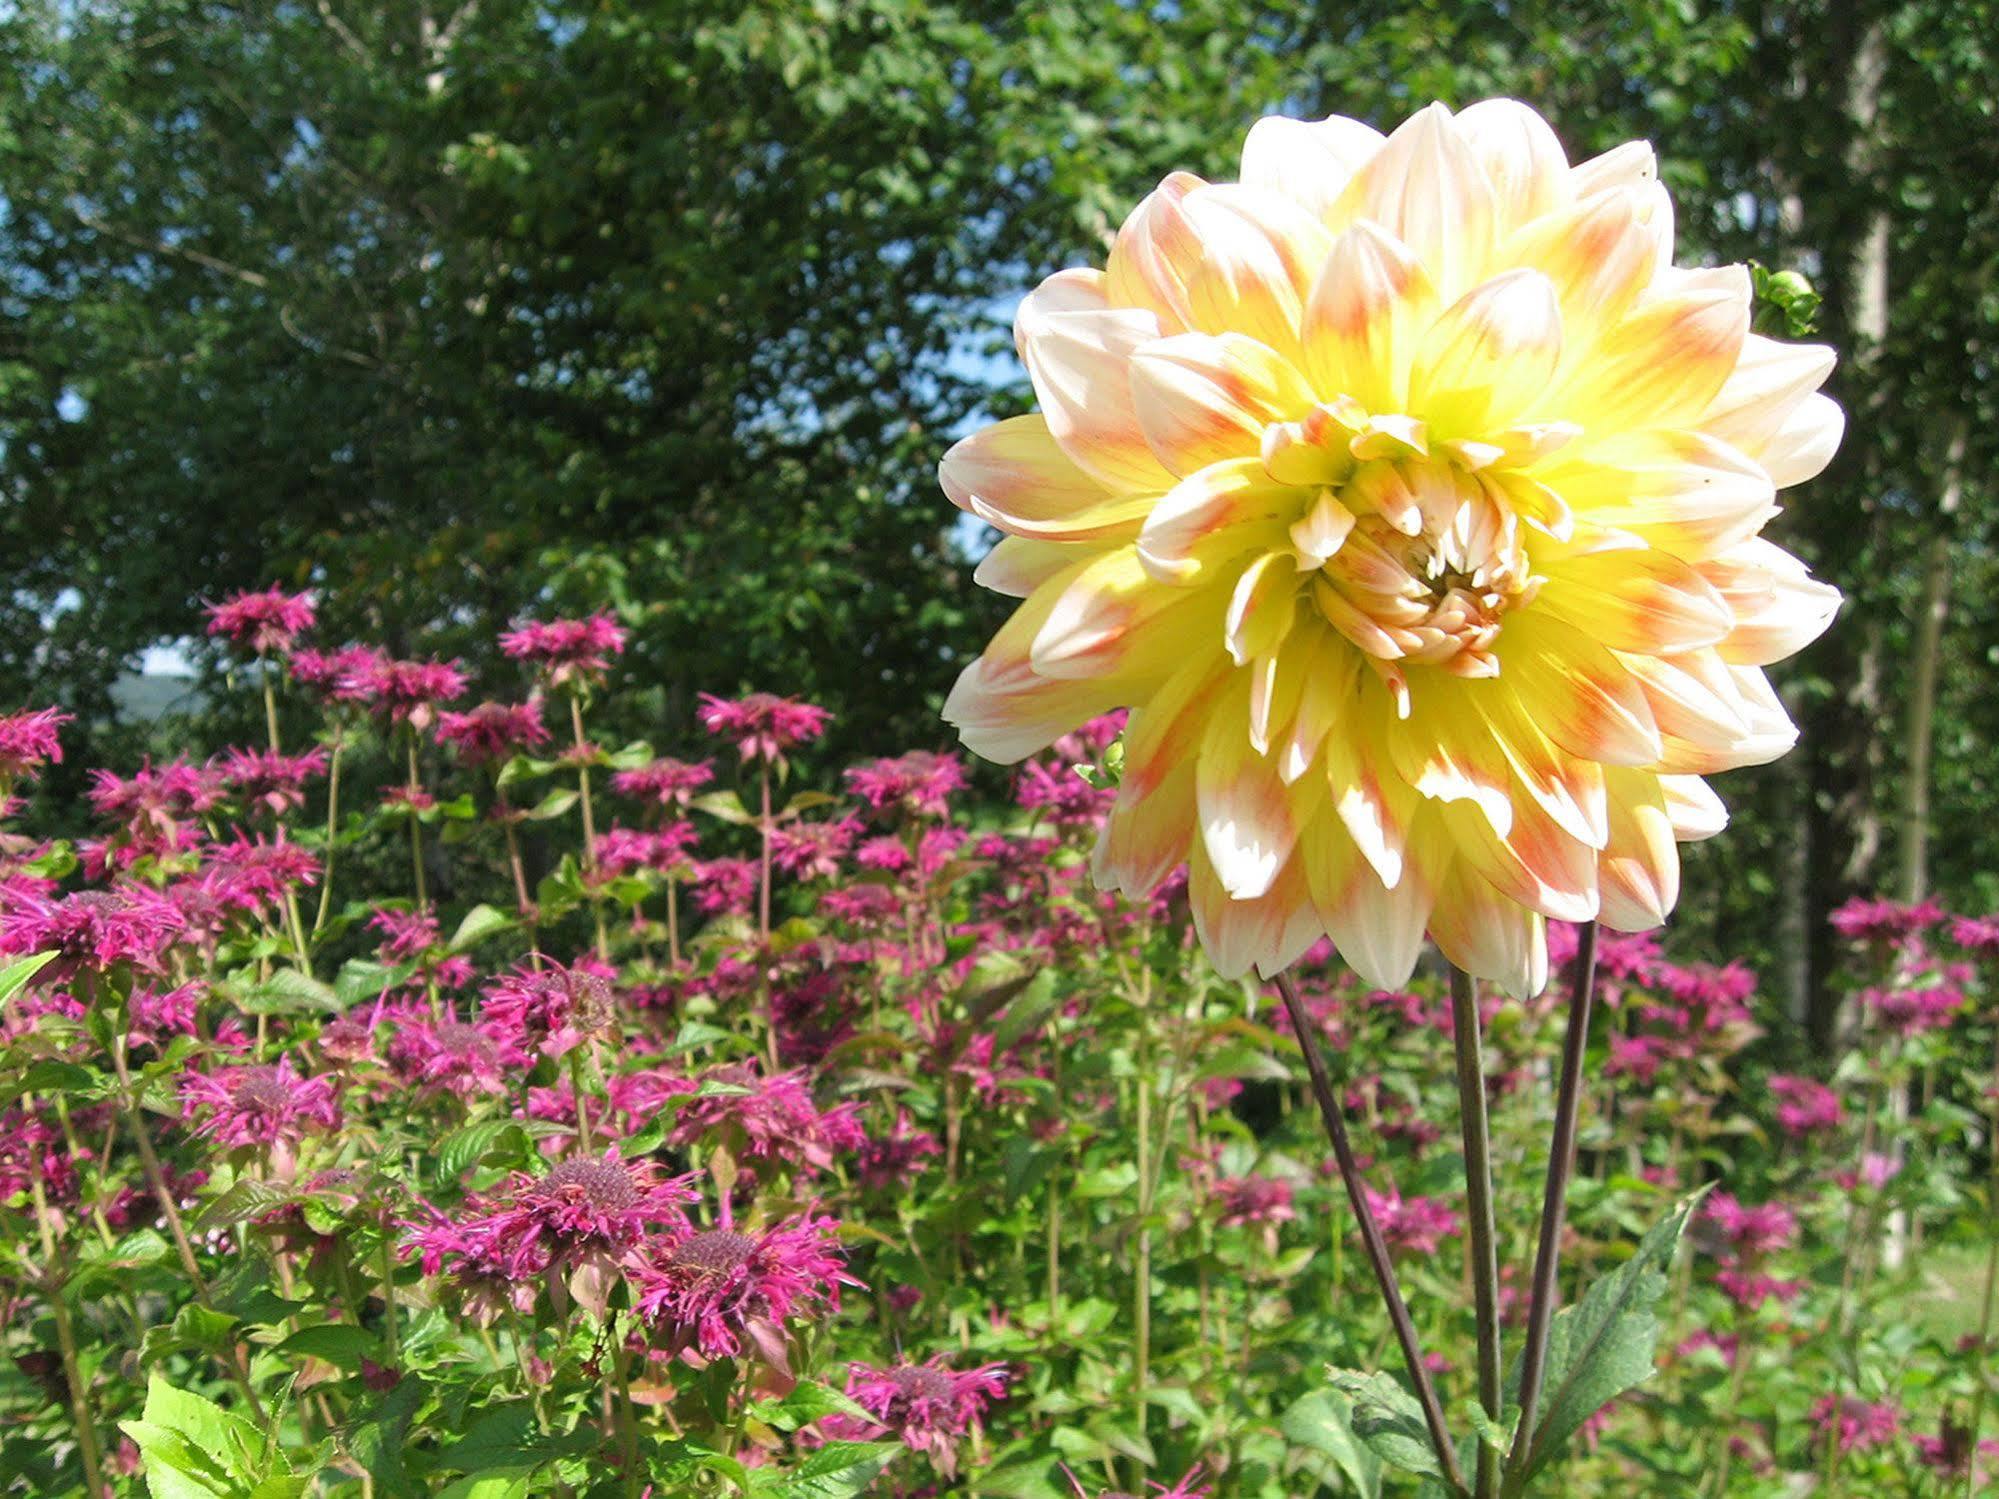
(1919, 731)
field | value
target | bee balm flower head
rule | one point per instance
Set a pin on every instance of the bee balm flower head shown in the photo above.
(1409, 495)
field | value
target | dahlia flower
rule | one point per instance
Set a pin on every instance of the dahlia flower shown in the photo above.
(1409, 495)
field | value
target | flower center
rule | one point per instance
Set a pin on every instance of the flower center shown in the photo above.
(922, 1384)
(261, 1091)
(1430, 561)
(604, 1186)
(712, 1254)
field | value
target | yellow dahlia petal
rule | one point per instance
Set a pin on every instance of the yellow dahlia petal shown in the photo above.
(1107, 617)
(1768, 383)
(1582, 695)
(1487, 935)
(1245, 809)
(1660, 366)
(1260, 253)
(1525, 163)
(1268, 932)
(1640, 869)
(1425, 186)
(1378, 931)
(1695, 811)
(1367, 310)
(1779, 607)
(1637, 598)
(1015, 476)
(1536, 865)
(1018, 565)
(1212, 517)
(1598, 253)
(1202, 398)
(1802, 447)
(1308, 162)
(1489, 356)
(1078, 350)
(1687, 492)
(1153, 252)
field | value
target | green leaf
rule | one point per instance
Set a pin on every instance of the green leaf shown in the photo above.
(14, 977)
(1387, 1418)
(1603, 1345)
(338, 1343)
(191, 1445)
(505, 1483)
(1323, 1421)
(472, 1142)
(553, 805)
(287, 992)
(725, 805)
(839, 1470)
(805, 1404)
(481, 922)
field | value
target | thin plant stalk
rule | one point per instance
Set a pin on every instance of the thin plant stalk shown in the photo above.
(1554, 1203)
(1370, 1236)
(416, 829)
(589, 820)
(72, 1365)
(1985, 1319)
(1475, 1127)
(332, 825)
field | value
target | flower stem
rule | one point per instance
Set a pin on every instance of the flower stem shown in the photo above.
(1554, 1204)
(332, 824)
(416, 829)
(1475, 1126)
(72, 1366)
(1370, 1236)
(1985, 1319)
(589, 821)
(576, 1087)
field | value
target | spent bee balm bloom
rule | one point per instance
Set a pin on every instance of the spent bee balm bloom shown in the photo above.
(1410, 495)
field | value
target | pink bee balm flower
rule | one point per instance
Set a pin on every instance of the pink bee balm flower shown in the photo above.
(919, 783)
(407, 692)
(812, 850)
(1889, 921)
(566, 649)
(262, 622)
(670, 783)
(930, 1407)
(337, 676)
(263, 1106)
(253, 874)
(1972, 933)
(552, 1010)
(1764, 1229)
(769, 1123)
(452, 1057)
(763, 725)
(92, 929)
(1859, 1424)
(728, 1292)
(723, 885)
(1414, 1225)
(493, 731)
(1804, 1107)
(270, 780)
(585, 1224)
(894, 1160)
(1252, 1199)
(28, 741)
(1409, 496)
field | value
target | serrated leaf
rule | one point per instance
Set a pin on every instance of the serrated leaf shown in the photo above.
(338, 1343)
(839, 1470)
(471, 1142)
(1323, 1422)
(1603, 1345)
(1388, 1420)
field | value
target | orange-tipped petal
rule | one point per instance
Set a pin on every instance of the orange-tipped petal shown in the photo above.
(1247, 823)
(1366, 312)
(1688, 492)
(1641, 865)
(1487, 935)
(1659, 367)
(1523, 160)
(1079, 357)
(1202, 398)
(1213, 517)
(1637, 599)
(1580, 694)
(1779, 607)
(1015, 476)
(1018, 565)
